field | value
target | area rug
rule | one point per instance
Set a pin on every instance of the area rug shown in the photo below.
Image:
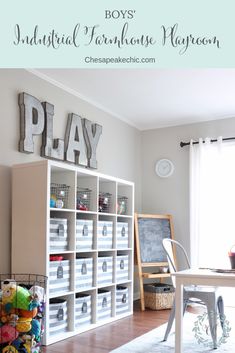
(195, 330)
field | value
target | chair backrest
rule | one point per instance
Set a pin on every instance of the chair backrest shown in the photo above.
(175, 253)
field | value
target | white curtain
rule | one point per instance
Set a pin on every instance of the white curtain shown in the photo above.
(212, 203)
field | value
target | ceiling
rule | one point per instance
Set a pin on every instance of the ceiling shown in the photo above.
(152, 98)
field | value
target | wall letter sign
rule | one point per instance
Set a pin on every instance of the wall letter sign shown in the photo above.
(81, 135)
(74, 141)
(50, 148)
(92, 135)
(31, 121)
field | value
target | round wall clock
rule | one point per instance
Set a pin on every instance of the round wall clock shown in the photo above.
(164, 168)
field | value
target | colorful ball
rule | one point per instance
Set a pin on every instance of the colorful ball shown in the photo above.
(23, 324)
(52, 203)
(36, 328)
(28, 313)
(8, 333)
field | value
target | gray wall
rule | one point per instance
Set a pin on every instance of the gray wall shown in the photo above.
(123, 152)
(118, 152)
(171, 195)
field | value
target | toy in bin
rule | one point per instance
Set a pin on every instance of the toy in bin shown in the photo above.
(59, 195)
(81, 206)
(21, 316)
(56, 203)
(104, 202)
(122, 205)
(83, 199)
(56, 258)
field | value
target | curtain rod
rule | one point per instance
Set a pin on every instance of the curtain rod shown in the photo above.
(182, 144)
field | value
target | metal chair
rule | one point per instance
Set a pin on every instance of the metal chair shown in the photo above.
(197, 294)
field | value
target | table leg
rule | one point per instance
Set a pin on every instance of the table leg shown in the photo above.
(178, 316)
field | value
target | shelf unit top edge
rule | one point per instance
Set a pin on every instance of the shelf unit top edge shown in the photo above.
(74, 168)
(26, 165)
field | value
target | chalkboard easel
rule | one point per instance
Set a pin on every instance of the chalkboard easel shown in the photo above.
(150, 230)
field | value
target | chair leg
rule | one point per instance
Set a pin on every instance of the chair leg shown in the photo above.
(172, 317)
(212, 317)
(220, 304)
(170, 322)
(185, 306)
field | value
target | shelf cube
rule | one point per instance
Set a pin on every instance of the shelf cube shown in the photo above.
(105, 235)
(122, 300)
(103, 305)
(122, 235)
(84, 273)
(84, 234)
(82, 310)
(58, 234)
(59, 276)
(58, 319)
(122, 266)
(105, 270)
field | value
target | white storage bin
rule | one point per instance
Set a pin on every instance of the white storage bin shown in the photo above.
(105, 270)
(122, 235)
(122, 268)
(59, 276)
(58, 319)
(82, 310)
(103, 305)
(58, 234)
(104, 235)
(84, 273)
(84, 234)
(122, 300)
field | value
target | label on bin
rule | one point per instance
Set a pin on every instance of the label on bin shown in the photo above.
(84, 308)
(84, 269)
(61, 230)
(85, 230)
(60, 314)
(105, 231)
(104, 266)
(122, 265)
(104, 302)
(60, 272)
(124, 298)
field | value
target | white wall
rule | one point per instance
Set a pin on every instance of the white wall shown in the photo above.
(171, 195)
(118, 151)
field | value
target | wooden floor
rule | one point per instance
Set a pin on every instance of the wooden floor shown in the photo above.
(108, 337)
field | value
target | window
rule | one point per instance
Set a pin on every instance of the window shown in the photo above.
(212, 203)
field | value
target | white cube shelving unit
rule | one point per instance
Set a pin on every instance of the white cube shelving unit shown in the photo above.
(32, 248)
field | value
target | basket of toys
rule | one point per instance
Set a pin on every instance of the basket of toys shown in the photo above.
(105, 202)
(59, 195)
(22, 303)
(122, 205)
(83, 199)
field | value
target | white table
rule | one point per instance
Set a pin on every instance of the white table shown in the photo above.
(198, 277)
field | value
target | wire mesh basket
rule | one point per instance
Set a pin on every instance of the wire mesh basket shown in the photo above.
(22, 307)
(105, 199)
(122, 205)
(59, 195)
(83, 199)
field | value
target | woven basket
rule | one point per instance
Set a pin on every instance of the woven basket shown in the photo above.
(158, 296)
(158, 301)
